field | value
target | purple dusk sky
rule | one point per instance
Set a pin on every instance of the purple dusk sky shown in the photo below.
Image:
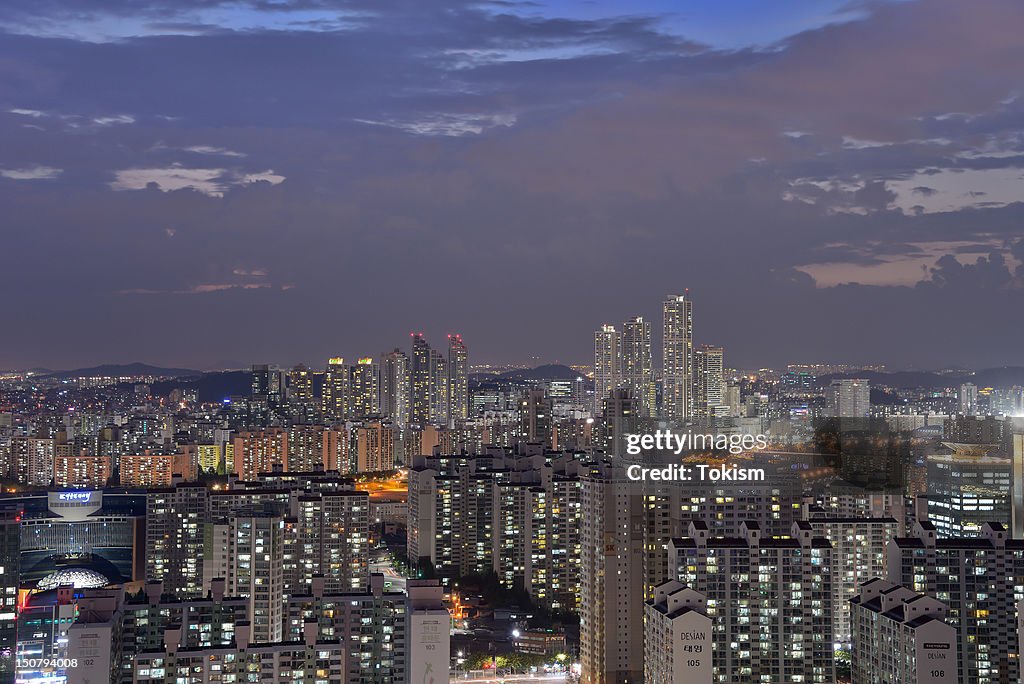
(200, 181)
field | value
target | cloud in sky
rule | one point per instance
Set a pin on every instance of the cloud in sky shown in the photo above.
(212, 182)
(906, 265)
(213, 150)
(73, 121)
(474, 166)
(206, 288)
(35, 172)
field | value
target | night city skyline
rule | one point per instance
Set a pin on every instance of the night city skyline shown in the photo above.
(837, 184)
(511, 342)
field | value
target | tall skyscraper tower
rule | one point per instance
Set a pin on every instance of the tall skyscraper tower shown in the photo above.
(420, 380)
(375, 447)
(612, 586)
(175, 520)
(247, 550)
(901, 636)
(677, 357)
(850, 398)
(364, 398)
(677, 636)
(978, 579)
(266, 385)
(969, 399)
(300, 384)
(708, 382)
(438, 389)
(770, 600)
(607, 358)
(300, 394)
(334, 396)
(333, 535)
(428, 628)
(637, 367)
(394, 387)
(260, 380)
(458, 379)
(620, 419)
(535, 418)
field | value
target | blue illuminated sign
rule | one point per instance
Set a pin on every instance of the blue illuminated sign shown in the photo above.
(74, 496)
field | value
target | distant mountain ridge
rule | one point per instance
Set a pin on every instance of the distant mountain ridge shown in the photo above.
(1006, 376)
(211, 387)
(120, 370)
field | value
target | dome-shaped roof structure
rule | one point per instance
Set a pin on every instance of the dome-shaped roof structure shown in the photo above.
(81, 578)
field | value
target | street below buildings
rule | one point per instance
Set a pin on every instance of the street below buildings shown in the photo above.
(476, 677)
(383, 566)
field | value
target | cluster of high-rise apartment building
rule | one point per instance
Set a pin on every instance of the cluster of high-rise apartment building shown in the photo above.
(692, 379)
(861, 584)
(901, 604)
(766, 582)
(362, 417)
(166, 539)
(267, 578)
(514, 512)
(982, 401)
(424, 387)
(773, 573)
